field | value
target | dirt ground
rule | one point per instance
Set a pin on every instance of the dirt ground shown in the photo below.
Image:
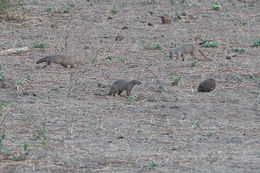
(53, 120)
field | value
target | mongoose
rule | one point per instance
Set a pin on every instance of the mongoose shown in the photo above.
(166, 19)
(58, 59)
(187, 49)
(123, 85)
(207, 85)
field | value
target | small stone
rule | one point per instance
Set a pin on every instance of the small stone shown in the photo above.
(207, 85)
(228, 57)
(125, 27)
(150, 24)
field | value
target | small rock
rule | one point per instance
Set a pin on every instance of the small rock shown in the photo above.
(121, 137)
(228, 57)
(125, 27)
(86, 47)
(207, 85)
(150, 24)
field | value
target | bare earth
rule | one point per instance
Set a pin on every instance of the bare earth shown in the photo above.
(57, 118)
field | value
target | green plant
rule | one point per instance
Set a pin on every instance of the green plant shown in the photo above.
(1, 67)
(255, 91)
(156, 45)
(94, 60)
(91, 3)
(109, 62)
(2, 77)
(72, 4)
(256, 43)
(114, 10)
(251, 76)
(153, 165)
(66, 10)
(151, 11)
(29, 76)
(19, 52)
(217, 6)
(132, 99)
(175, 81)
(19, 82)
(238, 49)
(122, 59)
(41, 45)
(193, 63)
(205, 15)
(48, 9)
(110, 57)
(197, 123)
(210, 44)
(235, 76)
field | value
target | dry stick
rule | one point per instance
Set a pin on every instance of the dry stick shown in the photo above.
(15, 50)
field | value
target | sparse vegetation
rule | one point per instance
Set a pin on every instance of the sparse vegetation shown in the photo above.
(175, 81)
(256, 43)
(2, 77)
(251, 76)
(12, 10)
(193, 63)
(114, 10)
(235, 76)
(21, 83)
(122, 59)
(132, 99)
(239, 49)
(41, 45)
(211, 44)
(156, 45)
(153, 165)
(217, 6)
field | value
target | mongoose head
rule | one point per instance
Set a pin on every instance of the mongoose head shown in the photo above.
(136, 82)
(212, 81)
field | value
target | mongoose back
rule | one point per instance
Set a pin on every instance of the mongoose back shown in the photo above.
(187, 49)
(207, 85)
(58, 59)
(123, 85)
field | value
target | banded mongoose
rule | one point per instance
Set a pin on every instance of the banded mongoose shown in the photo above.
(123, 85)
(188, 48)
(207, 85)
(58, 59)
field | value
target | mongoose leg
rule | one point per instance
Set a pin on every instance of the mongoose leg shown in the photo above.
(178, 55)
(128, 92)
(119, 92)
(193, 55)
(65, 66)
(45, 66)
(182, 57)
(206, 58)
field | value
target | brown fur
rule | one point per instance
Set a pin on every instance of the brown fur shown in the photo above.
(187, 49)
(166, 19)
(57, 59)
(123, 85)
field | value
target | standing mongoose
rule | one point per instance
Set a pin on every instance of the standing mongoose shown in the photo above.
(123, 85)
(187, 49)
(58, 59)
(207, 85)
